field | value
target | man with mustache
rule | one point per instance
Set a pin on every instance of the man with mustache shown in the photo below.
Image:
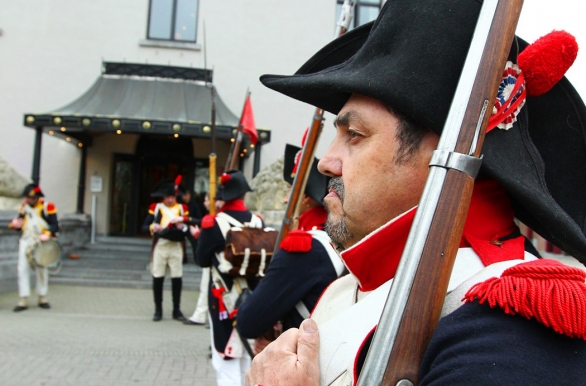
(390, 84)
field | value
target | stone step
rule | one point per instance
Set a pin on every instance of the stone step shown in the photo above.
(123, 240)
(118, 262)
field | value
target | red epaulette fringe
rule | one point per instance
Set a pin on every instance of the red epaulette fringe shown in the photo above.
(208, 221)
(549, 291)
(297, 241)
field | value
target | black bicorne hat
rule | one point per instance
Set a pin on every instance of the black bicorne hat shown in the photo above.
(168, 187)
(411, 60)
(317, 183)
(32, 190)
(232, 185)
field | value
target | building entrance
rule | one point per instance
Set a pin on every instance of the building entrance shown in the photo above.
(134, 176)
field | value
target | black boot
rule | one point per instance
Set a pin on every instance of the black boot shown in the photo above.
(176, 284)
(158, 297)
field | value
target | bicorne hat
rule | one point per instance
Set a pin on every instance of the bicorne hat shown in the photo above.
(167, 187)
(411, 57)
(317, 183)
(32, 190)
(232, 185)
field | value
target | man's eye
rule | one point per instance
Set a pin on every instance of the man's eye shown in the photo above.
(352, 134)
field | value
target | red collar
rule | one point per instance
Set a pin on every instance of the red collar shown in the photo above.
(237, 205)
(374, 259)
(313, 218)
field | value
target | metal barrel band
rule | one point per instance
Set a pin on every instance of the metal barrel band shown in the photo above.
(451, 160)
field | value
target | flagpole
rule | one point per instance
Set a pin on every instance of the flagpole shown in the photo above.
(232, 161)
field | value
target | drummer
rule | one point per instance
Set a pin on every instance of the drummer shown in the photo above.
(37, 221)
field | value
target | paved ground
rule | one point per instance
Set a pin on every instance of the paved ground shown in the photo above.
(95, 336)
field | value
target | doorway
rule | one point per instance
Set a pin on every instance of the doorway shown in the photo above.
(134, 176)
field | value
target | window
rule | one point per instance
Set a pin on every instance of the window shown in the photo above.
(364, 11)
(174, 20)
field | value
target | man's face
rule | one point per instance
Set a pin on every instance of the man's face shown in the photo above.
(169, 200)
(31, 201)
(369, 188)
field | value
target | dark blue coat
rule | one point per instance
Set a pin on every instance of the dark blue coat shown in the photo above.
(290, 278)
(211, 241)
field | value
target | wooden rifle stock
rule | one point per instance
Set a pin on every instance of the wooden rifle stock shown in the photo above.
(418, 291)
(292, 212)
(232, 161)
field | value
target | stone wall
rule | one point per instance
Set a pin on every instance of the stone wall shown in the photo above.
(8, 252)
(11, 185)
(269, 191)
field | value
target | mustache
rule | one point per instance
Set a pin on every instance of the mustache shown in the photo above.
(337, 185)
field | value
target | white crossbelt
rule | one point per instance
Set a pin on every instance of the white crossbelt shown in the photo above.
(337, 263)
(35, 223)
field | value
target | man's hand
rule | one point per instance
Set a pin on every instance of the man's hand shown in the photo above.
(17, 223)
(176, 220)
(44, 237)
(292, 359)
(195, 231)
(157, 228)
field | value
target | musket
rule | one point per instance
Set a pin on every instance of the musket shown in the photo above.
(212, 156)
(305, 162)
(414, 303)
(233, 155)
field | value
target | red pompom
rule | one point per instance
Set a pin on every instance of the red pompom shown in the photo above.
(178, 179)
(548, 291)
(297, 241)
(225, 178)
(208, 221)
(546, 61)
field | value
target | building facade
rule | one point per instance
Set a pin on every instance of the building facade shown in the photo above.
(52, 52)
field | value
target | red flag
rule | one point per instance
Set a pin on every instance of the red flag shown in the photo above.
(247, 121)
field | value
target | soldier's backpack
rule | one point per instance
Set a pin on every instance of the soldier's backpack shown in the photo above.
(249, 247)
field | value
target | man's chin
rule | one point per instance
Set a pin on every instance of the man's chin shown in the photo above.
(336, 228)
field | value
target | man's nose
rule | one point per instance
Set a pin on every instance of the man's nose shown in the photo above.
(330, 166)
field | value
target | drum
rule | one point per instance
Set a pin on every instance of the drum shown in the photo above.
(44, 254)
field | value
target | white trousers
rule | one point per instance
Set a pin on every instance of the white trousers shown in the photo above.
(230, 372)
(201, 309)
(24, 272)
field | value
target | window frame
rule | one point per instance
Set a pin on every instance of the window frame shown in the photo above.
(359, 4)
(173, 26)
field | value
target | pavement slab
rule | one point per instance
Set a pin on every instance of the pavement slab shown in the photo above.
(101, 336)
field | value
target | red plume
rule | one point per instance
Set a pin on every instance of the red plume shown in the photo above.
(546, 61)
(178, 180)
(225, 178)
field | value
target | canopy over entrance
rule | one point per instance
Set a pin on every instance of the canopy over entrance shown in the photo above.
(145, 99)
(150, 100)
